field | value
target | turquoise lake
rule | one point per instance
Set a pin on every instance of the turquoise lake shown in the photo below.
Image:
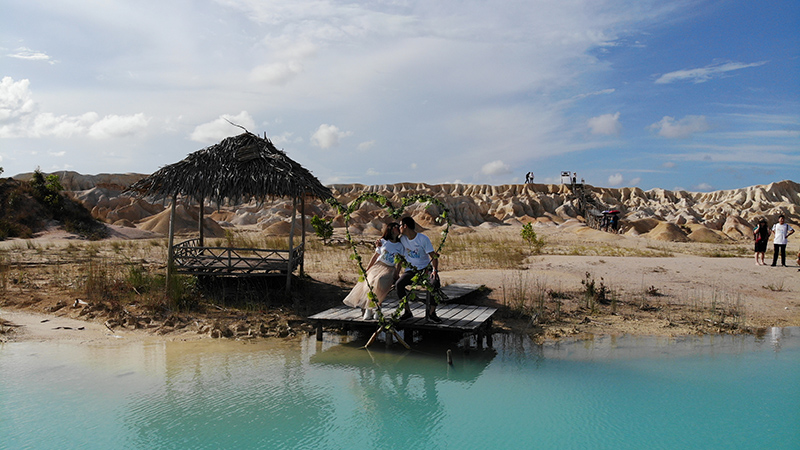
(710, 392)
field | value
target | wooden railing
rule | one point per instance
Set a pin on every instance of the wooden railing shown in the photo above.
(190, 258)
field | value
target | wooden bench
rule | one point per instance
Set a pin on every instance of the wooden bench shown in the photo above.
(193, 259)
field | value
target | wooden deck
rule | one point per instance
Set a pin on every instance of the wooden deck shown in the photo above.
(466, 319)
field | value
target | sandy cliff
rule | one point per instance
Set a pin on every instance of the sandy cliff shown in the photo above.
(658, 213)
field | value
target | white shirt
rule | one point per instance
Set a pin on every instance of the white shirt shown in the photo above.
(417, 250)
(388, 250)
(781, 233)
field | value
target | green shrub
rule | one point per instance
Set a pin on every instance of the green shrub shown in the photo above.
(322, 227)
(534, 242)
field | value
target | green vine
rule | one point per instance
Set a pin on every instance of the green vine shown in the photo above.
(419, 280)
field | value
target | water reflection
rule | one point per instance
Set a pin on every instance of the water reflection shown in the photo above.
(242, 396)
(604, 392)
(397, 393)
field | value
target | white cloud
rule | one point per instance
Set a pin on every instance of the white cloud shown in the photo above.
(591, 94)
(28, 54)
(364, 146)
(15, 98)
(114, 126)
(18, 108)
(615, 180)
(219, 129)
(497, 167)
(753, 154)
(703, 187)
(372, 172)
(278, 73)
(668, 165)
(285, 138)
(703, 74)
(50, 125)
(607, 124)
(668, 127)
(635, 181)
(328, 136)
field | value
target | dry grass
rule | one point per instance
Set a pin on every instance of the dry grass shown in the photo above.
(129, 276)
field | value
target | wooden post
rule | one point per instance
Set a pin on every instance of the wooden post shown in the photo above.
(373, 337)
(291, 246)
(303, 227)
(428, 300)
(489, 333)
(170, 249)
(200, 220)
(400, 340)
(319, 331)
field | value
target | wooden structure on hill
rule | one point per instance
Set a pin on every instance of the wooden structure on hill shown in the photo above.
(238, 169)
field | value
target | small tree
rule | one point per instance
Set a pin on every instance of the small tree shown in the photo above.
(47, 189)
(322, 227)
(534, 242)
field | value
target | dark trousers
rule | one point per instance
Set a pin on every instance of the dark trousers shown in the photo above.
(404, 282)
(782, 249)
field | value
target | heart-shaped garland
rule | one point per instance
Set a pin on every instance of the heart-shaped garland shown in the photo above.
(388, 323)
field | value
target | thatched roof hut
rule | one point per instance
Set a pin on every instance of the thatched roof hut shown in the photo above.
(236, 170)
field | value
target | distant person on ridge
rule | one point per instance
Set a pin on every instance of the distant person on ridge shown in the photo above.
(782, 232)
(419, 253)
(761, 235)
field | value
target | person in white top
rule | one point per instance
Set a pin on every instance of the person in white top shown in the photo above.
(782, 231)
(380, 272)
(419, 253)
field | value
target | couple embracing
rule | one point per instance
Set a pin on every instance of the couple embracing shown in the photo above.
(382, 272)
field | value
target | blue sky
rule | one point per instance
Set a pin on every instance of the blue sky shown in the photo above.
(695, 95)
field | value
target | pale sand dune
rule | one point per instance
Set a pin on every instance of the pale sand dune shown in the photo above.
(658, 213)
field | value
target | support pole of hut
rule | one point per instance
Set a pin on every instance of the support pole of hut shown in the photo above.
(170, 248)
(291, 246)
(200, 220)
(303, 227)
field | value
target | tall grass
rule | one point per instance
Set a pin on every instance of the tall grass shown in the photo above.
(527, 296)
(4, 269)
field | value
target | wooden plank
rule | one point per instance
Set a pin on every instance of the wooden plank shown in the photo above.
(457, 290)
(462, 312)
(469, 320)
(486, 315)
(452, 291)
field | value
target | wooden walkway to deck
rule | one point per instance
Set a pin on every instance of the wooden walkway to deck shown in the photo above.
(467, 319)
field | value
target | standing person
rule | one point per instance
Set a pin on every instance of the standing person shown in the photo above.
(380, 272)
(782, 232)
(761, 234)
(420, 255)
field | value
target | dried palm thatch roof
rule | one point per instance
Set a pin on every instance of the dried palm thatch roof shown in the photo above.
(237, 169)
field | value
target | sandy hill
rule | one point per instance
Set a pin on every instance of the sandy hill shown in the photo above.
(658, 213)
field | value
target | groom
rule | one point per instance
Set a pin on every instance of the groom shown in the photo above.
(419, 254)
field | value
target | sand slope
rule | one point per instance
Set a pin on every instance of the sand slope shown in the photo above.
(658, 213)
